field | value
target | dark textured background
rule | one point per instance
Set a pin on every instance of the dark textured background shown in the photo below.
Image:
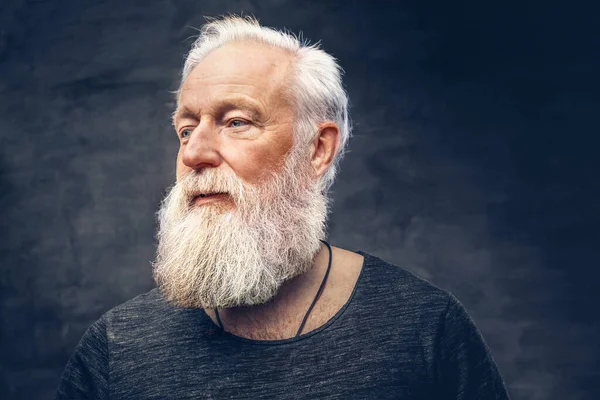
(474, 164)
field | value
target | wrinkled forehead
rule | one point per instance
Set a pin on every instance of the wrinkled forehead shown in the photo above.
(250, 68)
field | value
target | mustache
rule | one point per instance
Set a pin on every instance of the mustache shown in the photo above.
(211, 181)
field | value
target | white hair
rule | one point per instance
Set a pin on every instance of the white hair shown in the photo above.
(315, 85)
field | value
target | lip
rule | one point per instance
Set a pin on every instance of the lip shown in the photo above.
(215, 198)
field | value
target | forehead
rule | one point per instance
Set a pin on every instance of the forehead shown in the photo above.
(247, 69)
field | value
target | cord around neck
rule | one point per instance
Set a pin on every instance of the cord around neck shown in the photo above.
(321, 287)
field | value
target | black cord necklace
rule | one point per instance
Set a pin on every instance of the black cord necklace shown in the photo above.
(313, 302)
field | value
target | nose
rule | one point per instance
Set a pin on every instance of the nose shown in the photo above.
(202, 148)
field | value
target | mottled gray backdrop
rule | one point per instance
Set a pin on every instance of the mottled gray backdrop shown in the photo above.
(474, 164)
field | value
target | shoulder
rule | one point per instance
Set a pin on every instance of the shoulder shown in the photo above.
(395, 282)
(144, 306)
(144, 316)
(146, 303)
(402, 299)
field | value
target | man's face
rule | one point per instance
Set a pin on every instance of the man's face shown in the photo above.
(233, 114)
(236, 134)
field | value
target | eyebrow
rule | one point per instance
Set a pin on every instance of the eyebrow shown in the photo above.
(221, 107)
(183, 113)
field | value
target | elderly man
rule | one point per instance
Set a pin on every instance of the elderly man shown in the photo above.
(251, 301)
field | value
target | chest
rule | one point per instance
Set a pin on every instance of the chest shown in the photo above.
(332, 367)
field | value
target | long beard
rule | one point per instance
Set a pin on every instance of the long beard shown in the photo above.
(214, 257)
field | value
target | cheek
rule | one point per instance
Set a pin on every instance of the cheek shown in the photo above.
(255, 163)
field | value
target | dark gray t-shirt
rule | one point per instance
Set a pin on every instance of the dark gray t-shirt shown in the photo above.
(397, 337)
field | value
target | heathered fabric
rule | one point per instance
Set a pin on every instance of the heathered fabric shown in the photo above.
(398, 337)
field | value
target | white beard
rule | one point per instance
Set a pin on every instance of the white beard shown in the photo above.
(214, 257)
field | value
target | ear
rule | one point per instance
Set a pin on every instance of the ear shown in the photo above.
(324, 147)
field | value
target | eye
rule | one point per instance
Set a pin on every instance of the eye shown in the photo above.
(186, 133)
(237, 123)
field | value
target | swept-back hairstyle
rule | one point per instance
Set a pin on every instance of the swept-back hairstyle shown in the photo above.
(315, 85)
